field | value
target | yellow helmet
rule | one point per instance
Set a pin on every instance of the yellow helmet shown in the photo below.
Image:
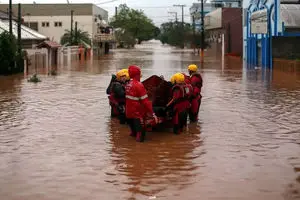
(173, 79)
(127, 74)
(179, 78)
(193, 68)
(121, 73)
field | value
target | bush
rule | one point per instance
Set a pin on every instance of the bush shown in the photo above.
(8, 55)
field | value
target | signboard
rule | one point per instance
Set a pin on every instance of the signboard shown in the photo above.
(259, 22)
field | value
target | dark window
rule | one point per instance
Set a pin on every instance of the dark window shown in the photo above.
(45, 24)
(57, 24)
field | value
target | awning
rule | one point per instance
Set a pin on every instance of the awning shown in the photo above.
(26, 33)
(290, 15)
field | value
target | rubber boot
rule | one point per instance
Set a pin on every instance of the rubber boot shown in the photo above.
(176, 129)
(132, 134)
(140, 137)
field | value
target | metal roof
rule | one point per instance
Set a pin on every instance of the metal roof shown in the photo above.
(26, 33)
(290, 15)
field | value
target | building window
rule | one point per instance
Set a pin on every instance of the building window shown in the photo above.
(45, 24)
(58, 24)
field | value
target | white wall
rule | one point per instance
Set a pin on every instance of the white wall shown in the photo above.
(213, 19)
(85, 23)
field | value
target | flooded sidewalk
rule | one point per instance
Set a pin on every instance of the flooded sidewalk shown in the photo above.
(57, 140)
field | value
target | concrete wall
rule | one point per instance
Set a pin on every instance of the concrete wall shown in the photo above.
(286, 47)
(232, 21)
(85, 23)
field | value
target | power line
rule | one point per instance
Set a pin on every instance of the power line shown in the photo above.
(175, 14)
(100, 3)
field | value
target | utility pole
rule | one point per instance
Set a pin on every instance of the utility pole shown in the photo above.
(75, 34)
(71, 38)
(194, 36)
(175, 15)
(19, 36)
(202, 32)
(10, 16)
(116, 12)
(182, 12)
(182, 20)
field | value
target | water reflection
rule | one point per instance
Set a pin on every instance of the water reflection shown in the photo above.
(10, 101)
(163, 163)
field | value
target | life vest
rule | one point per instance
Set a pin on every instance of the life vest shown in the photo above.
(181, 102)
(196, 80)
(115, 98)
(137, 103)
(186, 90)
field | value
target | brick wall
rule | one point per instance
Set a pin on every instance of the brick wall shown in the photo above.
(232, 22)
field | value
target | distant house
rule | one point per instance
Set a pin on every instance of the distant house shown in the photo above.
(30, 38)
(227, 21)
(52, 20)
(4, 16)
(271, 29)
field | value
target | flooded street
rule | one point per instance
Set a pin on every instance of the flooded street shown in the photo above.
(57, 140)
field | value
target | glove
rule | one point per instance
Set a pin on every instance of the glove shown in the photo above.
(155, 118)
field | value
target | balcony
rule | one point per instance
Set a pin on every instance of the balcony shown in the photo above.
(104, 37)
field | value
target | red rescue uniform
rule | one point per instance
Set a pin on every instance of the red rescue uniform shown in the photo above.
(181, 106)
(196, 82)
(137, 104)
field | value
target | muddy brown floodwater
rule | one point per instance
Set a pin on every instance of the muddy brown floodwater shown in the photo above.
(57, 140)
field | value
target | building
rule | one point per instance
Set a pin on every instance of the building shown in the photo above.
(53, 19)
(227, 21)
(195, 11)
(29, 37)
(208, 7)
(4, 16)
(271, 29)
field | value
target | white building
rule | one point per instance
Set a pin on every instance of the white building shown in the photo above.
(53, 19)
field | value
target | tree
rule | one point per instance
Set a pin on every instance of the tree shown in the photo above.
(172, 33)
(134, 23)
(8, 54)
(124, 38)
(79, 37)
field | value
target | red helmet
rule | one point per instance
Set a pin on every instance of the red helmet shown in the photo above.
(134, 72)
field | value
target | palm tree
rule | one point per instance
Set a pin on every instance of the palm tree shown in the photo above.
(78, 37)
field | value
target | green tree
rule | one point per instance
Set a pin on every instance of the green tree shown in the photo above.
(173, 34)
(134, 23)
(78, 37)
(8, 54)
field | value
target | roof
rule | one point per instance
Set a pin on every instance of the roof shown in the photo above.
(53, 9)
(4, 15)
(49, 44)
(290, 15)
(26, 33)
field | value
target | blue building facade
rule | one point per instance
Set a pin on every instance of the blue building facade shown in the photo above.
(264, 20)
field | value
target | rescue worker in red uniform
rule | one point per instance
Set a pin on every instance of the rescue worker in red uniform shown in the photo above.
(117, 95)
(196, 81)
(138, 105)
(180, 102)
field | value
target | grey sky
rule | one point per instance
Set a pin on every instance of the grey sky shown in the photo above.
(157, 10)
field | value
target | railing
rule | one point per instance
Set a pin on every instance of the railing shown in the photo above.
(103, 37)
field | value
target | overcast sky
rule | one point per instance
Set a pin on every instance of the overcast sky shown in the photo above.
(157, 10)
